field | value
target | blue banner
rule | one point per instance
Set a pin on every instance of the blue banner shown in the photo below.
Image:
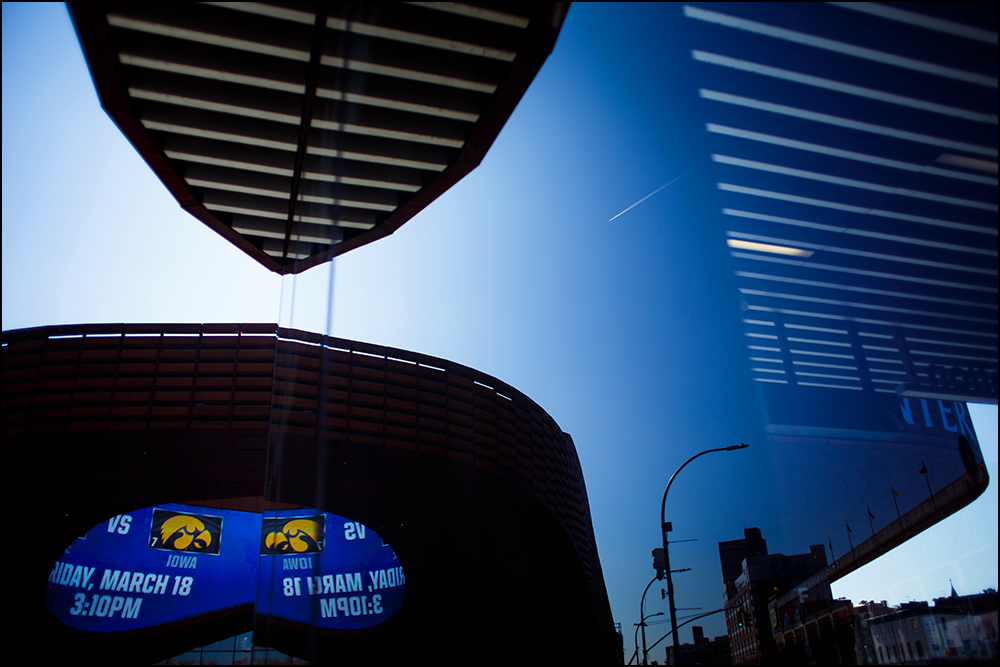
(164, 564)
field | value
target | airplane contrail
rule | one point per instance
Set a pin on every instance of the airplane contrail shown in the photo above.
(650, 195)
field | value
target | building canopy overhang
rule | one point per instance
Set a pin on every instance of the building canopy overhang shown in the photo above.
(303, 130)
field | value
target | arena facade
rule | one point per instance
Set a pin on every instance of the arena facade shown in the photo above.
(477, 490)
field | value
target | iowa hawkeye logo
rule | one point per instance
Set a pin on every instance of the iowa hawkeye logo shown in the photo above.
(174, 531)
(298, 535)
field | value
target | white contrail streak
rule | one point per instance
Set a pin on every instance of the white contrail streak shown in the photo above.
(650, 195)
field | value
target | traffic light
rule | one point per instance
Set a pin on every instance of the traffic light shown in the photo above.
(659, 562)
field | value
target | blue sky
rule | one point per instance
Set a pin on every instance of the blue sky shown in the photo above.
(627, 331)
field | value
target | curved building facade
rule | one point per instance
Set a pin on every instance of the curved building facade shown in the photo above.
(477, 490)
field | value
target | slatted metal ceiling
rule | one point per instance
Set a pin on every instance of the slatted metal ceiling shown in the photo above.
(855, 156)
(303, 130)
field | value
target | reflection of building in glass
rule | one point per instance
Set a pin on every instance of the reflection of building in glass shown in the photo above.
(748, 621)
(959, 629)
(809, 625)
(856, 184)
(701, 651)
(733, 552)
(475, 487)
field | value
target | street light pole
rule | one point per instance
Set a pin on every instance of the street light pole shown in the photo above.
(643, 617)
(665, 528)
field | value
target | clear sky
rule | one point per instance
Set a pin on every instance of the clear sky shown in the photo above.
(627, 331)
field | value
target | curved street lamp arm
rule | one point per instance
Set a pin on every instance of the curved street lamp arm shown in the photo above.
(642, 620)
(663, 505)
(663, 532)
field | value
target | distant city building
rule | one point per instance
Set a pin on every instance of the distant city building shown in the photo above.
(864, 652)
(809, 626)
(734, 552)
(748, 623)
(957, 629)
(701, 651)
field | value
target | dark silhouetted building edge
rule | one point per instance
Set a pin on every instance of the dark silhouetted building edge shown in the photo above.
(476, 488)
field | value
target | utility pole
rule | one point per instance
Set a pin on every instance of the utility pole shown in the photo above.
(666, 527)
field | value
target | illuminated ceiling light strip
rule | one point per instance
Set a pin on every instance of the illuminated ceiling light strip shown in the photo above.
(967, 162)
(376, 159)
(837, 86)
(866, 306)
(766, 247)
(229, 187)
(850, 182)
(365, 182)
(817, 341)
(751, 334)
(282, 216)
(292, 255)
(388, 134)
(353, 224)
(828, 355)
(767, 360)
(794, 112)
(290, 119)
(149, 27)
(350, 203)
(232, 164)
(763, 323)
(829, 386)
(804, 327)
(247, 211)
(206, 73)
(828, 376)
(887, 371)
(192, 103)
(928, 353)
(772, 380)
(949, 343)
(848, 155)
(859, 253)
(396, 104)
(768, 370)
(409, 74)
(769, 194)
(880, 360)
(278, 194)
(431, 41)
(816, 364)
(761, 348)
(837, 47)
(272, 84)
(873, 274)
(221, 136)
(858, 232)
(864, 290)
(472, 11)
(305, 238)
(931, 23)
(269, 11)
